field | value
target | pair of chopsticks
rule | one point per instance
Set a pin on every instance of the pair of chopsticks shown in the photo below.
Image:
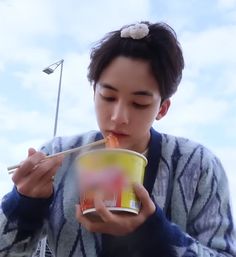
(73, 150)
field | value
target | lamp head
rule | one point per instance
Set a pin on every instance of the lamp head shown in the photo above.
(48, 70)
(51, 68)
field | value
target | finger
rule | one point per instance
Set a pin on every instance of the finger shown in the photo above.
(31, 151)
(27, 166)
(50, 174)
(42, 191)
(148, 207)
(44, 171)
(33, 186)
(101, 209)
(83, 219)
(89, 224)
(48, 168)
(33, 183)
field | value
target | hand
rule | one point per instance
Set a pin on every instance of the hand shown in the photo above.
(34, 176)
(118, 224)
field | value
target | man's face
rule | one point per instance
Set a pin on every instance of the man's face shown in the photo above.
(127, 101)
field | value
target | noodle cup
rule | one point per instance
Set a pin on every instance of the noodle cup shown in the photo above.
(111, 174)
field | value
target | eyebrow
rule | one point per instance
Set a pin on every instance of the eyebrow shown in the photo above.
(139, 93)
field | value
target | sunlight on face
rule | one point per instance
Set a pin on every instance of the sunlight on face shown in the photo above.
(127, 101)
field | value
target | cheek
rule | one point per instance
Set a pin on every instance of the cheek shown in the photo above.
(140, 124)
(101, 109)
(97, 103)
(146, 118)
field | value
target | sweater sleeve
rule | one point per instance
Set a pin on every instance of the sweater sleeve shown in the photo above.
(210, 231)
(159, 237)
(22, 223)
(210, 221)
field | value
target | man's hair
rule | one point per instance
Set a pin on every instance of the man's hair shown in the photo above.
(160, 48)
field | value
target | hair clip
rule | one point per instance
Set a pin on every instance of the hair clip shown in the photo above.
(137, 31)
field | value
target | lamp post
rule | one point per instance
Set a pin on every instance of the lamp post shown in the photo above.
(49, 70)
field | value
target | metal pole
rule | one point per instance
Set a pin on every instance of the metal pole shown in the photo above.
(58, 100)
(43, 247)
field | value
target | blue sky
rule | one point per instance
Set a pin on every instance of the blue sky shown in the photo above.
(36, 33)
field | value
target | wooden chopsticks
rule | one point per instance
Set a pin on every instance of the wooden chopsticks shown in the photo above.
(99, 142)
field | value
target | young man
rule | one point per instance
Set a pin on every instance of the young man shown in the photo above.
(185, 201)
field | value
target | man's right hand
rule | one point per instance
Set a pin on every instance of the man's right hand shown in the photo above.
(34, 176)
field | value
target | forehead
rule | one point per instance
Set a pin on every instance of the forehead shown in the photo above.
(132, 74)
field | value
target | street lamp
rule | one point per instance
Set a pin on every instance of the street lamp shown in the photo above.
(49, 70)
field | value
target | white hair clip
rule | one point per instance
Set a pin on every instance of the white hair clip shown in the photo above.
(137, 31)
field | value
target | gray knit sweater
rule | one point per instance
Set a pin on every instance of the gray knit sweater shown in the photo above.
(193, 216)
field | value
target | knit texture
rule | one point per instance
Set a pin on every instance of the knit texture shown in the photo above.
(192, 219)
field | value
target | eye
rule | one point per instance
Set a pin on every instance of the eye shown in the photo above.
(107, 98)
(140, 106)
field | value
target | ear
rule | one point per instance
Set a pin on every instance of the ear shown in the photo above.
(163, 109)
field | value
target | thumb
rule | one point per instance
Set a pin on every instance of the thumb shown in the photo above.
(148, 207)
(31, 151)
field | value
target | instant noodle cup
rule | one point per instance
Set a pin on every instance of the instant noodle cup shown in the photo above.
(111, 174)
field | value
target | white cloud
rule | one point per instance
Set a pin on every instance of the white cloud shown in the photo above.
(227, 157)
(2, 68)
(13, 153)
(232, 16)
(211, 47)
(190, 108)
(25, 123)
(28, 16)
(77, 112)
(229, 80)
(53, 21)
(86, 24)
(230, 126)
(226, 4)
(21, 24)
(5, 182)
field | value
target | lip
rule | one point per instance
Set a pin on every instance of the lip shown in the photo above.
(118, 133)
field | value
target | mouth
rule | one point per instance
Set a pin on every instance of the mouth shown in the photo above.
(118, 134)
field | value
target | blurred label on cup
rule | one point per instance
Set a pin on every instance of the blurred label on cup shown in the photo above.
(111, 174)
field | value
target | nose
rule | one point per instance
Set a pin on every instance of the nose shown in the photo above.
(120, 114)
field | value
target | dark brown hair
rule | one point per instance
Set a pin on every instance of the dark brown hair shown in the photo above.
(160, 48)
